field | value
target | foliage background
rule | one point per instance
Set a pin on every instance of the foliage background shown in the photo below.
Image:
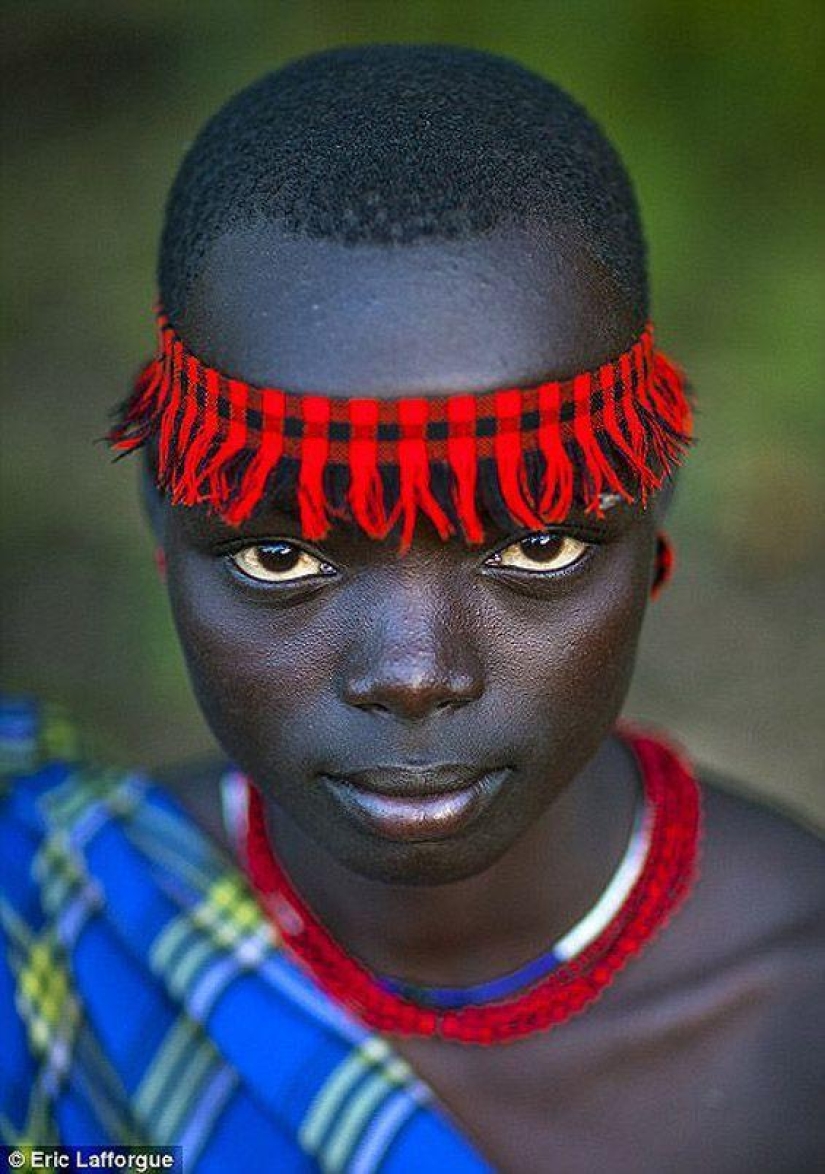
(717, 109)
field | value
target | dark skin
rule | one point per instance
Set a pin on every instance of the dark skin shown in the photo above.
(516, 656)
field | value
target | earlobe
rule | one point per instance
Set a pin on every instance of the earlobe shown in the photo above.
(152, 501)
(664, 564)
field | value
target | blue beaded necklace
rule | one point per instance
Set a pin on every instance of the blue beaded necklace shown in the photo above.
(565, 949)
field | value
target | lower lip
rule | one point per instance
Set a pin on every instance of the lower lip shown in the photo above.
(426, 817)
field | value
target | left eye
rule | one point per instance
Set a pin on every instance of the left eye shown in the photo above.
(278, 562)
(540, 553)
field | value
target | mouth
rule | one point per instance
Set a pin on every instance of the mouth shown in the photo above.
(416, 804)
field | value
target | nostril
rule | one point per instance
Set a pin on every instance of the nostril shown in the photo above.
(411, 697)
(411, 686)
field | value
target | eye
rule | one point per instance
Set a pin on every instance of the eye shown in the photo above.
(539, 553)
(279, 562)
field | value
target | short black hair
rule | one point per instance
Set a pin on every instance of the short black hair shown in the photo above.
(390, 144)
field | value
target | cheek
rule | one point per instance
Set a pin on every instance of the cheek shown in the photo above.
(577, 654)
(556, 668)
(256, 673)
(600, 648)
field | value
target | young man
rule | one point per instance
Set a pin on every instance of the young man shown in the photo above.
(409, 594)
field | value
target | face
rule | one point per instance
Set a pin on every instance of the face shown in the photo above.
(413, 715)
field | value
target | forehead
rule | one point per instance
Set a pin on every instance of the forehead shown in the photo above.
(513, 307)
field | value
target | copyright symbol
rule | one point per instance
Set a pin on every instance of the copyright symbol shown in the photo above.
(16, 1159)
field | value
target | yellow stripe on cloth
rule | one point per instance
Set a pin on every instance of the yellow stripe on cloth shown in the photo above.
(44, 985)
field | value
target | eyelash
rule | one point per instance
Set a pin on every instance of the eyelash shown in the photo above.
(326, 569)
(588, 542)
(589, 538)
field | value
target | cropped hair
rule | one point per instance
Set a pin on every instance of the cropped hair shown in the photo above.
(393, 144)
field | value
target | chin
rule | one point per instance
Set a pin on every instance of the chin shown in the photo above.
(422, 864)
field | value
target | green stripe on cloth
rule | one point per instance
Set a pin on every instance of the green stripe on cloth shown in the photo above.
(63, 877)
(46, 998)
(197, 871)
(345, 1103)
(51, 736)
(352, 1122)
(227, 919)
(168, 830)
(40, 1128)
(87, 788)
(104, 1090)
(334, 1091)
(59, 1038)
(185, 1062)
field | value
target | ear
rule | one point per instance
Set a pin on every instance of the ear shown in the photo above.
(152, 500)
(664, 499)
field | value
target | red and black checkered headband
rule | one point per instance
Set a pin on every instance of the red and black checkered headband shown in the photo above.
(527, 454)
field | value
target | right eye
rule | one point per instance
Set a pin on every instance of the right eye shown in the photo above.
(541, 553)
(279, 562)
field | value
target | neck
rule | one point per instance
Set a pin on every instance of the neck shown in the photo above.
(485, 925)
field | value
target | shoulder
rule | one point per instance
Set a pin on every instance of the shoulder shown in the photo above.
(757, 914)
(763, 868)
(70, 825)
(758, 893)
(757, 906)
(761, 904)
(738, 978)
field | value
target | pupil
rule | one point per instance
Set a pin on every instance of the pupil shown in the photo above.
(278, 556)
(542, 547)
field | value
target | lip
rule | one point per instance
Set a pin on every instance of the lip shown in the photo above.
(414, 804)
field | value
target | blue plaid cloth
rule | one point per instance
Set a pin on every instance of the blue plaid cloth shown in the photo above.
(144, 999)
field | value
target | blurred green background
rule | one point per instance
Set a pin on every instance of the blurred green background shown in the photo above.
(717, 109)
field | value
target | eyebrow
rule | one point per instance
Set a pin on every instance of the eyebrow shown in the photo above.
(205, 523)
(281, 521)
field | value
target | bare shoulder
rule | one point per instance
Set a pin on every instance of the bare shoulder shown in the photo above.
(755, 917)
(738, 979)
(763, 868)
(758, 903)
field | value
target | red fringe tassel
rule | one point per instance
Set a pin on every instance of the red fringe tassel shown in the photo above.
(621, 429)
(599, 473)
(253, 484)
(557, 497)
(463, 461)
(512, 475)
(366, 489)
(192, 486)
(314, 447)
(414, 492)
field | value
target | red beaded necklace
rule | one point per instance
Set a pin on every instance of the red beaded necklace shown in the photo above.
(672, 800)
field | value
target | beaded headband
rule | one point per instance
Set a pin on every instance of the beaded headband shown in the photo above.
(529, 454)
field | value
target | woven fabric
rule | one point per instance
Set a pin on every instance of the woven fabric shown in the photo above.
(143, 999)
(532, 453)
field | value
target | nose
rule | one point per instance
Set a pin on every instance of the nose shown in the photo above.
(412, 660)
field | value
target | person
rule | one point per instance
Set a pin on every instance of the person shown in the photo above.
(409, 448)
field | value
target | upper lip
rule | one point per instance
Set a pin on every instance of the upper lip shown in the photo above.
(414, 782)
